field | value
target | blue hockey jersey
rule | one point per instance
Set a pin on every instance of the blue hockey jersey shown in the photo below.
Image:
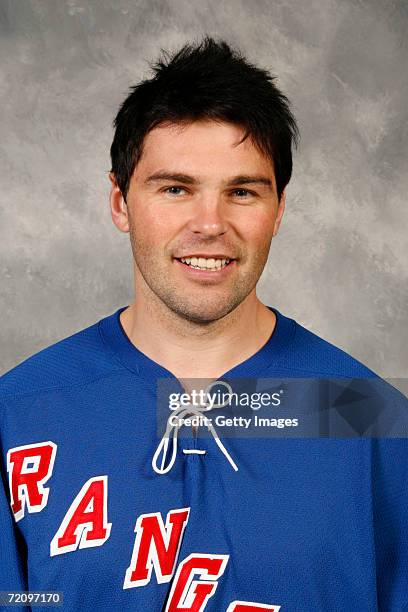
(240, 523)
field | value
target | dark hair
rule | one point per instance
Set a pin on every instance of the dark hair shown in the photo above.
(206, 81)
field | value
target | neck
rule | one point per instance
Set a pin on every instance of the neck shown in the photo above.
(191, 350)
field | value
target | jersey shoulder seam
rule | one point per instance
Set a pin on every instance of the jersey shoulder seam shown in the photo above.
(308, 371)
(57, 388)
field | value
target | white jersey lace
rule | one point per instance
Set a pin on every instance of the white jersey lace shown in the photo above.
(175, 421)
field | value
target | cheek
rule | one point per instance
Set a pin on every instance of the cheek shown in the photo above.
(258, 230)
(150, 224)
(152, 230)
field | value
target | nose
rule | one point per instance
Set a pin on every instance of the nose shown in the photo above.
(208, 218)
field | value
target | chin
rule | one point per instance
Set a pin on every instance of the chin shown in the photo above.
(203, 313)
(202, 316)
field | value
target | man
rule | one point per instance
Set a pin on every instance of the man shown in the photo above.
(99, 507)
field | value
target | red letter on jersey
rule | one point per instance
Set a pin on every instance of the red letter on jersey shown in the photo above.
(86, 522)
(192, 596)
(251, 606)
(27, 481)
(156, 546)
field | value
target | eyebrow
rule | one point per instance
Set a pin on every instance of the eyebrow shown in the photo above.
(191, 180)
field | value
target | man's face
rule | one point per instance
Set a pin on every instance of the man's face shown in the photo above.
(196, 194)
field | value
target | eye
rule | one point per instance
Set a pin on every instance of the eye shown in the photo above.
(173, 190)
(241, 193)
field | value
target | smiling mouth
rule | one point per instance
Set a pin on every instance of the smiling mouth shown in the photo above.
(210, 264)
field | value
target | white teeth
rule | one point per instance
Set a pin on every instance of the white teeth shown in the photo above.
(201, 263)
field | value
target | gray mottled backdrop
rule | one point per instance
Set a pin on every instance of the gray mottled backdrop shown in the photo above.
(339, 264)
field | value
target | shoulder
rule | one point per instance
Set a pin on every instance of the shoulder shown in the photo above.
(74, 360)
(308, 354)
(314, 354)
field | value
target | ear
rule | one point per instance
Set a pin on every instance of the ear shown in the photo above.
(279, 215)
(118, 206)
